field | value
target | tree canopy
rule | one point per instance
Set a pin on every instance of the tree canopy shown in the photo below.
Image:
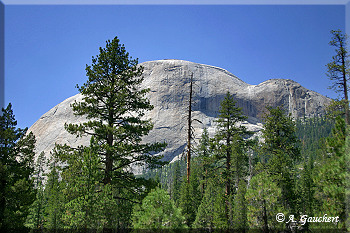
(16, 167)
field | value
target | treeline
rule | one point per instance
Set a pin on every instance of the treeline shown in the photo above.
(311, 132)
(274, 177)
(285, 181)
(302, 171)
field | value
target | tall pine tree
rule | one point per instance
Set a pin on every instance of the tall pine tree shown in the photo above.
(16, 168)
(211, 212)
(115, 106)
(230, 145)
(339, 68)
(330, 176)
(204, 160)
(281, 147)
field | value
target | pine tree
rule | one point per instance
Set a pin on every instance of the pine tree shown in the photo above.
(282, 148)
(204, 160)
(230, 145)
(35, 219)
(330, 176)
(190, 198)
(157, 212)
(54, 196)
(306, 189)
(176, 182)
(16, 168)
(339, 68)
(211, 212)
(347, 179)
(262, 200)
(115, 106)
(82, 176)
(310, 131)
(239, 218)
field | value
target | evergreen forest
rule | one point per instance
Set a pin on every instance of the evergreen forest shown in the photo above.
(292, 178)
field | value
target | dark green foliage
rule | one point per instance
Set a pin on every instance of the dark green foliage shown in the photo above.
(203, 163)
(230, 147)
(16, 167)
(35, 219)
(330, 176)
(239, 217)
(336, 108)
(262, 198)
(306, 189)
(281, 146)
(339, 68)
(211, 212)
(190, 198)
(99, 187)
(229, 144)
(157, 212)
(114, 106)
(339, 65)
(279, 136)
(176, 183)
(55, 197)
(169, 176)
(347, 179)
(84, 201)
(82, 177)
(310, 131)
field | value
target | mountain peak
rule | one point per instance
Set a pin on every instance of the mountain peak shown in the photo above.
(168, 81)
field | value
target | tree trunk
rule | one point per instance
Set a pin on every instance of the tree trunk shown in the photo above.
(108, 162)
(228, 168)
(266, 226)
(228, 159)
(109, 159)
(347, 114)
(189, 136)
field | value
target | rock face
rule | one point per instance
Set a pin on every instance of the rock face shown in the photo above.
(168, 81)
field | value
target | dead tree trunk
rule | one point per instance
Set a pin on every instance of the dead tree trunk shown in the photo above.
(189, 132)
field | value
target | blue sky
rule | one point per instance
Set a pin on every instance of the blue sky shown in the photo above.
(48, 47)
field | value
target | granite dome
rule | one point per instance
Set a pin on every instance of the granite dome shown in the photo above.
(168, 81)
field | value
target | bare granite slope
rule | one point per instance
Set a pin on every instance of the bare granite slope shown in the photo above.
(168, 81)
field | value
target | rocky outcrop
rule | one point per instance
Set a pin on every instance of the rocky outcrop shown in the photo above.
(168, 81)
